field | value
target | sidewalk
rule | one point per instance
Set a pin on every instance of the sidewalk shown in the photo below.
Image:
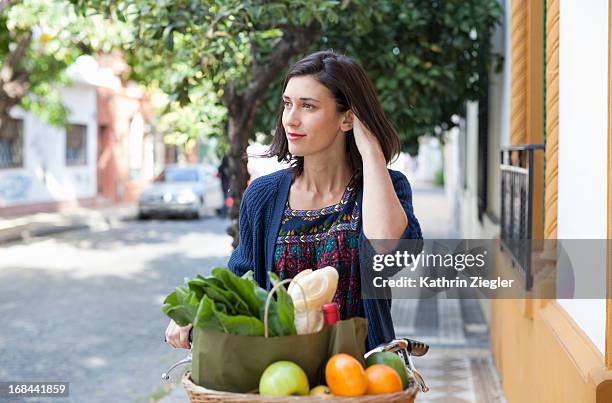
(15, 229)
(458, 367)
(432, 210)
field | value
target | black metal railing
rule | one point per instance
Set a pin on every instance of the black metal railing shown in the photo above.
(517, 174)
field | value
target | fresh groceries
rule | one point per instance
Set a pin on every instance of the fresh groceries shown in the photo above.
(283, 378)
(382, 379)
(309, 291)
(303, 331)
(392, 360)
(345, 376)
(230, 304)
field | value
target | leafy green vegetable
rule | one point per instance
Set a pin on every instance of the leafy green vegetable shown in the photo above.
(197, 285)
(181, 305)
(280, 311)
(216, 290)
(284, 314)
(205, 317)
(209, 317)
(230, 304)
(212, 280)
(249, 276)
(244, 289)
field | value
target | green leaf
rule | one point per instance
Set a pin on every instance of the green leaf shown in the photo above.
(205, 317)
(281, 315)
(248, 276)
(209, 317)
(120, 15)
(235, 305)
(244, 289)
(181, 305)
(197, 285)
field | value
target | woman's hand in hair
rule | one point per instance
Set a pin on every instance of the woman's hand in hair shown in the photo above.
(368, 145)
(383, 216)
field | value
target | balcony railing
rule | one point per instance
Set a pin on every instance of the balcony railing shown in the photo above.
(517, 173)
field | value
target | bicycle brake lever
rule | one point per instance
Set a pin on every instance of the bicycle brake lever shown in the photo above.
(186, 360)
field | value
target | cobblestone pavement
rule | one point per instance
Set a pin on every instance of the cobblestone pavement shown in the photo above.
(458, 366)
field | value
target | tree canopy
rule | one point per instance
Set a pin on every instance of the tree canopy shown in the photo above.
(39, 39)
(425, 57)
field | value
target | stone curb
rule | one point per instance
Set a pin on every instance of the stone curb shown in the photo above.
(60, 224)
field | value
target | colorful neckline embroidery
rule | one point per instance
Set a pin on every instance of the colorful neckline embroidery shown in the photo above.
(325, 210)
(336, 227)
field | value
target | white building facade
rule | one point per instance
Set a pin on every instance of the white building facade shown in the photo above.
(43, 164)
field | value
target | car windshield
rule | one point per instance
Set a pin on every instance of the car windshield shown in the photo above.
(181, 175)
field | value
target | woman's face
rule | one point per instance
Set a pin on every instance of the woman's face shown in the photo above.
(311, 121)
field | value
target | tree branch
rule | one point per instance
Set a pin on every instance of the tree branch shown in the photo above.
(17, 88)
(294, 41)
(229, 96)
(13, 80)
(11, 64)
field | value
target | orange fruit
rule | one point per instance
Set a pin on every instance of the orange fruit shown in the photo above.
(345, 376)
(382, 379)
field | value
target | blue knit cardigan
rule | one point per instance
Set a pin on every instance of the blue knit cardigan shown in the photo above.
(261, 211)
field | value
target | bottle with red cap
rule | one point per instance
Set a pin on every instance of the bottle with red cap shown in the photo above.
(331, 314)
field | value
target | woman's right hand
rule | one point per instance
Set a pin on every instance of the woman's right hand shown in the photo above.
(177, 336)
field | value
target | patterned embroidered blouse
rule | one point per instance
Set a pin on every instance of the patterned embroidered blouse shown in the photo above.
(313, 239)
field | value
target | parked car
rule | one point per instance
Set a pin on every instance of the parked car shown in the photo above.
(186, 190)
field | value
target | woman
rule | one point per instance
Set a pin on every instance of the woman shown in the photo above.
(339, 191)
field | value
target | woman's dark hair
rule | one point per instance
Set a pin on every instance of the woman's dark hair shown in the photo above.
(352, 89)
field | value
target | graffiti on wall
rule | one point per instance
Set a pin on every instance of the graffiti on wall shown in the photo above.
(14, 187)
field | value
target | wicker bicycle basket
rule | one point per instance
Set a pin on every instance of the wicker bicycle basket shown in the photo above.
(199, 394)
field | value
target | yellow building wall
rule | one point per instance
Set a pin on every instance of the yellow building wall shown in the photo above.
(541, 354)
(547, 358)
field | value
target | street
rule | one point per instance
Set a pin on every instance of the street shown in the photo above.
(84, 307)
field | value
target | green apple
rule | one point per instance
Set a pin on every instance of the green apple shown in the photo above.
(283, 378)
